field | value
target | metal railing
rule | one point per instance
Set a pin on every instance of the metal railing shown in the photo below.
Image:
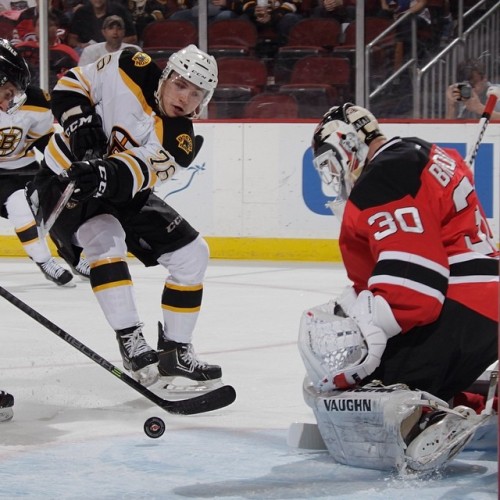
(429, 82)
(480, 41)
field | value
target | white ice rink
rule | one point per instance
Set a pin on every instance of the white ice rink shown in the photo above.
(77, 431)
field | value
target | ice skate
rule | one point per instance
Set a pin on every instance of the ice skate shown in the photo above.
(55, 273)
(180, 369)
(82, 269)
(138, 357)
(6, 404)
(441, 441)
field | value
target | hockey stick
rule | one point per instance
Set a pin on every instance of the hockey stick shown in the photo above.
(483, 123)
(45, 226)
(213, 400)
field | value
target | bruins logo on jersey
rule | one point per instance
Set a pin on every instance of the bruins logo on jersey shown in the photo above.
(141, 59)
(120, 141)
(185, 143)
(9, 140)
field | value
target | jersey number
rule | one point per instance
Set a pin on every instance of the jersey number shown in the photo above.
(406, 219)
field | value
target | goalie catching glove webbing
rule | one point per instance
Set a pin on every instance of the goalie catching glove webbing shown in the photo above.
(340, 352)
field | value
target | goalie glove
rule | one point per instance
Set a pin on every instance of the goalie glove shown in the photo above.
(84, 129)
(377, 324)
(92, 178)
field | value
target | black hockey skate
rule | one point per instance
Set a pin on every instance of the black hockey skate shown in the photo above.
(82, 269)
(138, 357)
(179, 360)
(6, 404)
(55, 273)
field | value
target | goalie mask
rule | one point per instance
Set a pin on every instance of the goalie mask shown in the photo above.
(196, 67)
(340, 147)
(14, 70)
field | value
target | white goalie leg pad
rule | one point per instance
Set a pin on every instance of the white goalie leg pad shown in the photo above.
(366, 427)
(439, 443)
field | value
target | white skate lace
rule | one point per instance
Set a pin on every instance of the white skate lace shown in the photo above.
(189, 357)
(134, 343)
(83, 267)
(52, 268)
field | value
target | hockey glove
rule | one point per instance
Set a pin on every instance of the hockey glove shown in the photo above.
(374, 318)
(84, 129)
(91, 179)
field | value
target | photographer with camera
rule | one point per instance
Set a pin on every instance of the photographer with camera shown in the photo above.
(467, 98)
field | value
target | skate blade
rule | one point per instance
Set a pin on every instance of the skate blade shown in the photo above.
(6, 414)
(147, 376)
(182, 388)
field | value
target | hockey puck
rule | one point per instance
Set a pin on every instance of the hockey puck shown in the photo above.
(154, 427)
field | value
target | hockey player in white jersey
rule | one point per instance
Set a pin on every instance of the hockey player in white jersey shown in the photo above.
(26, 125)
(136, 122)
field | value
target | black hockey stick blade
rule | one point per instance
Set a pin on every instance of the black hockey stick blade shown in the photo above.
(213, 400)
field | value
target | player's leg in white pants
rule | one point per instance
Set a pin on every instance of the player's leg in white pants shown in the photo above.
(103, 241)
(21, 217)
(183, 291)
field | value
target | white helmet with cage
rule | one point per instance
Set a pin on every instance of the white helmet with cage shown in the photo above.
(196, 67)
(340, 146)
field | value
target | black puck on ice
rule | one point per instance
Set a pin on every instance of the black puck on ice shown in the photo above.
(154, 427)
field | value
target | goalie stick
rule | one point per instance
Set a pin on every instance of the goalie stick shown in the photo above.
(483, 123)
(213, 400)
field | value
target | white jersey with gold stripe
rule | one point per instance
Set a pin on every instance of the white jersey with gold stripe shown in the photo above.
(21, 130)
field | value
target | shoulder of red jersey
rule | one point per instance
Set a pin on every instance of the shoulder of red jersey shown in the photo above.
(143, 71)
(393, 173)
(36, 97)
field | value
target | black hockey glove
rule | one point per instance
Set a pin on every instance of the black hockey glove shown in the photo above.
(84, 129)
(91, 179)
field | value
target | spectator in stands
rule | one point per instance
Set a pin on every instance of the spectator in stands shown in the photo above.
(458, 104)
(216, 10)
(61, 56)
(276, 15)
(146, 11)
(25, 26)
(86, 26)
(113, 29)
(394, 9)
(341, 10)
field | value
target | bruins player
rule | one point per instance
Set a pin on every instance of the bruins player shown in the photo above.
(26, 125)
(135, 121)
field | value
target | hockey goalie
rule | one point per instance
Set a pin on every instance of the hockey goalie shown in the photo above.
(391, 361)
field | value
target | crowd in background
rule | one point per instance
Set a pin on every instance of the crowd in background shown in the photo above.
(80, 31)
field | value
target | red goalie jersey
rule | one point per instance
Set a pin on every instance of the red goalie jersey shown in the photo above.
(414, 232)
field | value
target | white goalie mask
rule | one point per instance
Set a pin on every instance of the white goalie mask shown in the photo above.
(195, 66)
(328, 344)
(340, 147)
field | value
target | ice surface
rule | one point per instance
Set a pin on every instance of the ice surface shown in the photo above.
(77, 431)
